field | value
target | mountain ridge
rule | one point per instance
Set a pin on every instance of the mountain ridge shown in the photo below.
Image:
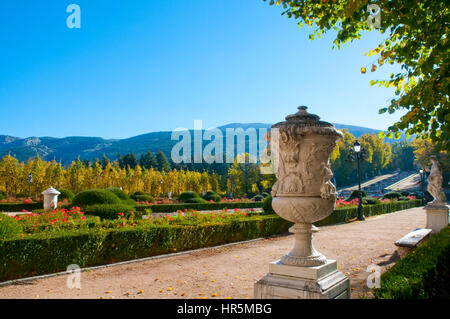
(67, 149)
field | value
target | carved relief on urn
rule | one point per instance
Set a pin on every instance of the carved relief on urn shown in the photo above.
(303, 192)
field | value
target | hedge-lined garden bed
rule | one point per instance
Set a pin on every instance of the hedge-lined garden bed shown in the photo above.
(44, 253)
(422, 274)
(170, 208)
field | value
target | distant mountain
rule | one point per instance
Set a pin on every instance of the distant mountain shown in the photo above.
(69, 148)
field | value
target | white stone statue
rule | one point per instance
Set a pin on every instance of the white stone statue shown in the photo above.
(435, 181)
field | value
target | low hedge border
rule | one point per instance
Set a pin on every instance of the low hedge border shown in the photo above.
(344, 214)
(9, 207)
(422, 274)
(37, 256)
(171, 208)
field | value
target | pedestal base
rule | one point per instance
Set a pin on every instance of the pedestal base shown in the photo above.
(293, 282)
(437, 217)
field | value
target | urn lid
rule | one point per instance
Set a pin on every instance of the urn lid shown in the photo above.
(308, 123)
(50, 191)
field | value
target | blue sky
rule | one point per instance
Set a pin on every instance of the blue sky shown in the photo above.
(142, 66)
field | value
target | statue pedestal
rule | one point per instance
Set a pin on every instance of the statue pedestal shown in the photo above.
(294, 282)
(437, 217)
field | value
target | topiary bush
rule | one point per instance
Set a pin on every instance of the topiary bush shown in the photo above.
(355, 194)
(111, 211)
(66, 194)
(9, 227)
(258, 198)
(118, 192)
(392, 195)
(195, 200)
(137, 193)
(267, 205)
(370, 200)
(265, 194)
(95, 196)
(210, 195)
(144, 198)
(188, 195)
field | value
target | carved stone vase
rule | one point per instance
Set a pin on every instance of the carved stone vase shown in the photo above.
(303, 193)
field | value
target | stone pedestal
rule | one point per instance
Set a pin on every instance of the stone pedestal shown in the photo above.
(293, 282)
(437, 217)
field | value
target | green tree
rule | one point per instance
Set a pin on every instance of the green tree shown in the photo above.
(163, 163)
(416, 38)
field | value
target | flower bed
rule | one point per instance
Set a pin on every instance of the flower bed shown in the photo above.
(198, 206)
(52, 251)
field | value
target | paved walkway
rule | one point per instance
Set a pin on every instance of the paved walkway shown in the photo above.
(230, 272)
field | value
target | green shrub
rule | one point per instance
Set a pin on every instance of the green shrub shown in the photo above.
(9, 227)
(66, 194)
(137, 193)
(403, 198)
(392, 195)
(195, 200)
(110, 211)
(404, 193)
(37, 256)
(210, 195)
(370, 200)
(265, 194)
(258, 198)
(2, 196)
(95, 196)
(355, 194)
(118, 192)
(188, 195)
(422, 274)
(143, 198)
(267, 205)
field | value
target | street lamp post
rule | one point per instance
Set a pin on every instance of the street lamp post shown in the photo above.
(357, 150)
(422, 182)
(30, 180)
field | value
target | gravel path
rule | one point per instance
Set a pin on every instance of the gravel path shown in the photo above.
(230, 272)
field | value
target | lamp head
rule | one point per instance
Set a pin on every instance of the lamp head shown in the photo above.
(357, 147)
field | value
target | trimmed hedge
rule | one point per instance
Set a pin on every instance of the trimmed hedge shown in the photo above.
(9, 207)
(66, 194)
(188, 195)
(95, 196)
(344, 214)
(392, 195)
(210, 195)
(143, 198)
(171, 208)
(118, 192)
(422, 274)
(267, 205)
(36, 256)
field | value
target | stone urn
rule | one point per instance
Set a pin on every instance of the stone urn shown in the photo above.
(303, 193)
(50, 198)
